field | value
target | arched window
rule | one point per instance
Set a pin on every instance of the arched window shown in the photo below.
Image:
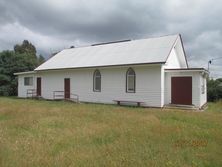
(97, 81)
(130, 81)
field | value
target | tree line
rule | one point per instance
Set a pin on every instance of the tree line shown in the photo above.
(22, 58)
(214, 89)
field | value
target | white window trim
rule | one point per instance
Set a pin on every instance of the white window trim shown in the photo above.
(94, 81)
(29, 84)
(127, 83)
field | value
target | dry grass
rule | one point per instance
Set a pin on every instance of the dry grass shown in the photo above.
(43, 133)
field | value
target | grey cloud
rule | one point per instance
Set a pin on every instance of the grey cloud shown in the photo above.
(53, 25)
(111, 21)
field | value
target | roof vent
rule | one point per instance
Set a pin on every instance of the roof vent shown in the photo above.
(127, 40)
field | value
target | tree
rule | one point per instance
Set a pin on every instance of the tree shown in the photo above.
(214, 89)
(41, 59)
(25, 47)
(23, 58)
(28, 50)
(7, 60)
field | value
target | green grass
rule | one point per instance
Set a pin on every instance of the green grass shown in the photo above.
(46, 133)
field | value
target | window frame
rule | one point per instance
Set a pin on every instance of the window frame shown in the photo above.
(94, 81)
(127, 84)
(29, 78)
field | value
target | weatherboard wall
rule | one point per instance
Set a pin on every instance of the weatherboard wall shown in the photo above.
(22, 88)
(173, 60)
(113, 84)
(203, 93)
(196, 88)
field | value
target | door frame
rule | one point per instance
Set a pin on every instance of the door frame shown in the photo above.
(38, 86)
(67, 88)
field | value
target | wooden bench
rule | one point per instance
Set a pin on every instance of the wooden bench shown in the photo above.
(128, 101)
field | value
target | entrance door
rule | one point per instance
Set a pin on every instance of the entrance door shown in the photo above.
(39, 86)
(181, 90)
(67, 88)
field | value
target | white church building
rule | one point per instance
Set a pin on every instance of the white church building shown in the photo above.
(149, 72)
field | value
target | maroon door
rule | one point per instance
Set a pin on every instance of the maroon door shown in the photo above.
(181, 90)
(39, 86)
(67, 88)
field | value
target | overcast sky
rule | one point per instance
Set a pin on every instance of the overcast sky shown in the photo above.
(52, 25)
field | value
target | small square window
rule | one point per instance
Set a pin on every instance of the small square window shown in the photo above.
(28, 81)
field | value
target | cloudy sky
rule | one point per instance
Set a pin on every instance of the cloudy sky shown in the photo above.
(52, 25)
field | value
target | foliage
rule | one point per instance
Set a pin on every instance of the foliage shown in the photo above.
(214, 89)
(41, 59)
(25, 47)
(23, 58)
(57, 133)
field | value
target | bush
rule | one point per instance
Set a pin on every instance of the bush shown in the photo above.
(22, 58)
(214, 89)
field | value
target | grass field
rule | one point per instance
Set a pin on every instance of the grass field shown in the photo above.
(43, 133)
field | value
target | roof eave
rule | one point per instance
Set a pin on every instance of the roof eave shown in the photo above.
(187, 70)
(24, 73)
(184, 50)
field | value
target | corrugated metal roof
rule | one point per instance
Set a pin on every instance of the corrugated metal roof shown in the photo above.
(151, 50)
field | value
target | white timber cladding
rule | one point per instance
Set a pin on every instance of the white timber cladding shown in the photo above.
(113, 84)
(178, 48)
(176, 58)
(203, 91)
(22, 88)
(173, 60)
(162, 85)
(196, 87)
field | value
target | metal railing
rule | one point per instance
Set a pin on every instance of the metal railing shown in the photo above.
(58, 95)
(74, 97)
(62, 95)
(31, 93)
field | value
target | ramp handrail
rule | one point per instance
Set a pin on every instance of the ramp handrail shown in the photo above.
(31, 92)
(75, 97)
(58, 95)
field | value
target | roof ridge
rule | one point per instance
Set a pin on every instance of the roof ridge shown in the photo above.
(121, 41)
(151, 37)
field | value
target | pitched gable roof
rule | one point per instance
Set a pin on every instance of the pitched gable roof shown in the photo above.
(144, 51)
